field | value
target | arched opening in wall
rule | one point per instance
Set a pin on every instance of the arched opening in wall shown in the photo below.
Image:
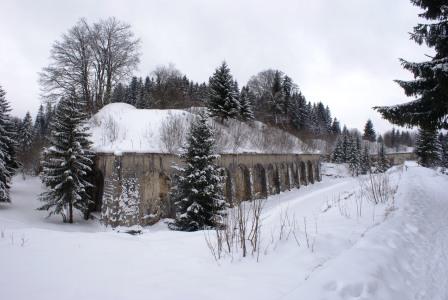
(273, 180)
(303, 178)
(228, 190)
(317, 171)
(310, 172)
(283, 174)
(244, 190)
(167, 208)
(294, 175)
(259, 182)
(97, 190)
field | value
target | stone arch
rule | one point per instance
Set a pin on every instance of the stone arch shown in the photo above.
(228, 185)
(283, 174)
(166, 207)
(317, 171)
(242, 183)
(259, 182)
(295, 170)
(97, 191)
(273, 182)
(303, 177)
(310, 172)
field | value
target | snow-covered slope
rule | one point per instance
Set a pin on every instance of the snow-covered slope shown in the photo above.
(120, 127)
(357, 250)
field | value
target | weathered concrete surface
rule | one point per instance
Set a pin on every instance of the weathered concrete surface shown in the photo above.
(248, 176)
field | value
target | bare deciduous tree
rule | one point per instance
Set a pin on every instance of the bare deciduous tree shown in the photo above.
(89, 60)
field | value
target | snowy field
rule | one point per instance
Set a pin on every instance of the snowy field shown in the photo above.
(354, 249)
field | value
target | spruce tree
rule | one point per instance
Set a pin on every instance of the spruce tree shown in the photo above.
(443, 140)
(336, 127)
(246, 111)
(383, 163)
(354, 155)
(430, 109)
(369, 132)
(26, 133)
(8, 162)
(68, 161)
(365, 164)
(338, 155)
(428, 148)
(222, 98)
(197, 191)
(39, 123)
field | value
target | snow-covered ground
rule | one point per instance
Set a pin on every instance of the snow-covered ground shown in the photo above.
(396, 250)
(120, 127)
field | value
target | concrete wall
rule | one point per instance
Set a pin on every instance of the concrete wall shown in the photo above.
(248, 176)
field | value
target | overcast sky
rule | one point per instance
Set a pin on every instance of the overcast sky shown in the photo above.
(341, 52)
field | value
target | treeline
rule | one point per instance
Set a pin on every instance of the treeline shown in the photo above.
(271, 96)
(32, 137)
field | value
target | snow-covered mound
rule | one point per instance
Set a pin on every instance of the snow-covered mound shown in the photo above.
(120, 127)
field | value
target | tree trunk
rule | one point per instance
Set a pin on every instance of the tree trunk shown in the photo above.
(70, 212)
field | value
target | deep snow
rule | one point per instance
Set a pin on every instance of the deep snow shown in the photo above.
(391, 251)
(120, 127)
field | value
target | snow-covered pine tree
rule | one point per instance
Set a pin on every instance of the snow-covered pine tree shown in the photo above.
(246, 110)
(8, 163)
(197, 191)
(335, 127)
(338, 155)
(345, 145)
(430, 109)
(222, 99)
(383, 163)
(354, 154)
(428, 148)
(26, 133)
(67, 162)
(369, 132)
(39, 123)
(443, 140)
(365, 164)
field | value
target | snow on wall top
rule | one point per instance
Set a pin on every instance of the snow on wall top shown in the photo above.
(120, 127)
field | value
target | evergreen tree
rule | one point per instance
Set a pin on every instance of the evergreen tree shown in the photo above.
(8, 163)
(336, 127)
(198, 191)
(276, 99)
(443, 140)
(383, 163)
(430, 109)
(246, 111)
(354, 155)
(428, 148)
(39, 123)
(369, 132)
(133, 91)
(365, 164)
(119, 93)
(338, 155)
(26, 133)
(223, 100)
(67, 162)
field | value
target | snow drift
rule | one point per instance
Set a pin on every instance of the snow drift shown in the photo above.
(120, 127)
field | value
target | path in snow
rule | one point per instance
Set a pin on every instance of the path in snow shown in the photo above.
(406, 257)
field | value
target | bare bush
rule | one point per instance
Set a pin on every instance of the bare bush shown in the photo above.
(173, 131)
(241, 234)
(377, 188)
(111, 130)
